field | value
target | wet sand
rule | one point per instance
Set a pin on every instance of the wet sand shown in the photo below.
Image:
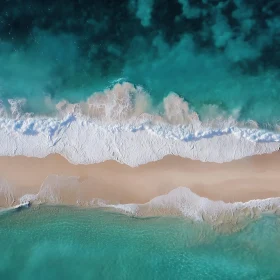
(256, 177)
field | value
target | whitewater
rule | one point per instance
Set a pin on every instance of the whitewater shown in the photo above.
(224, 217)
(120, 124)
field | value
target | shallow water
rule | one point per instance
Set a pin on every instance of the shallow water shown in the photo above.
(69, 243)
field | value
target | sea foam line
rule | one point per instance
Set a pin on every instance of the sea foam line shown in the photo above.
(114, 125)
(180, 201)
(52, 127)
(225, 217)
(82, 140)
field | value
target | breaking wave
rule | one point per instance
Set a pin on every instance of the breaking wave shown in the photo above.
(121, 124)
(182, 201)
(226, 217)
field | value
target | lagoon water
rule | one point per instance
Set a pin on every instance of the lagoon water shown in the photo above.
(51, 242)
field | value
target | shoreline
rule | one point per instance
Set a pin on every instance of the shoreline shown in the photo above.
(250, 178)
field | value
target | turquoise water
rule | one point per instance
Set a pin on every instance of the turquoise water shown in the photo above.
(73, 243)
(219, 53)
(223, 53)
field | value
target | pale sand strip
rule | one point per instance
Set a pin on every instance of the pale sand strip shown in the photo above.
(257, 177)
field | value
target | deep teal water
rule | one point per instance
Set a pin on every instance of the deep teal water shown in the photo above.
(73, 243)
(223, 53)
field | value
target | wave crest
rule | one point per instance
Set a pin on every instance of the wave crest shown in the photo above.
(225, 217)
(120, 124)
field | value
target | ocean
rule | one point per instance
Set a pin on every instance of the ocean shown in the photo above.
(134, 81)
(51, 242)
(211, 53)
(180, 70)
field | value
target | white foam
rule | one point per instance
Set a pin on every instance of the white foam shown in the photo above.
(115, 125)
(125, 208)
(195, 207)
(178, 202)
(182, 201)
(83, 141)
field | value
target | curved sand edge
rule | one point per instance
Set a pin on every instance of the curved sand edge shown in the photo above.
(255, 177)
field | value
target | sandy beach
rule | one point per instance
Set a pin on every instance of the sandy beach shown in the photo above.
(256, 177)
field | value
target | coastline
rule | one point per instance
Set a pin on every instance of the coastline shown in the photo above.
(250, 178)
